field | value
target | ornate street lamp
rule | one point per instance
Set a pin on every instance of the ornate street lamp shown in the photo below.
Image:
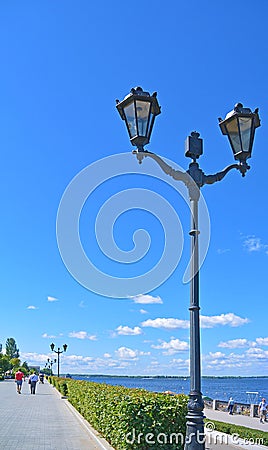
(240, 127)
(138, 110)
(49, 364)
(52, 346)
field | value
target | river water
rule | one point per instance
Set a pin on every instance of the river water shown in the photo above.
(214, 387)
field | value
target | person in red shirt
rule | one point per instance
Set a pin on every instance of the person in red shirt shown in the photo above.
(18, 379)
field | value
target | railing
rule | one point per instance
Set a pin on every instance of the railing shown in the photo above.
(245, 409)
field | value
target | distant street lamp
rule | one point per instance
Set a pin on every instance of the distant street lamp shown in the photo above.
(52, 346)
(49, 364)
(138, 110)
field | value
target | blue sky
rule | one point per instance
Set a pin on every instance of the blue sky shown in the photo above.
(63, 64)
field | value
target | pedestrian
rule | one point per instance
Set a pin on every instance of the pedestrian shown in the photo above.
(32, 381)
(231, 405)
(19, 375)
(263, 407)
(41, 378)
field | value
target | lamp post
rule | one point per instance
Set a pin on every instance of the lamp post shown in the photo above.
(138, 110)
(50, 363)
(52, 346)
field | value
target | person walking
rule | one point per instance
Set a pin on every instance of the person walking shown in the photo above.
(33, 378)
(231, 405)
(19, 375)
(263, 408)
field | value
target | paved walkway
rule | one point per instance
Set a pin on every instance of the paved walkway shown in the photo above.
(221, 441)
(43, 421)
(237, 419)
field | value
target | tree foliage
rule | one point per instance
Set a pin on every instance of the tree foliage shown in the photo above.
(11, 348)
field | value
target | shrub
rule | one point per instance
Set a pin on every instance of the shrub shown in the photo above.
(130, 418)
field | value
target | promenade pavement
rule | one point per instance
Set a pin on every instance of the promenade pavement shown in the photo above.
(46, 421)
(220, 441)
(237, 419)
(43, 421)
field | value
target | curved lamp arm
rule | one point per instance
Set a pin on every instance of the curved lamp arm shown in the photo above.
(210, 179)
(176, 174)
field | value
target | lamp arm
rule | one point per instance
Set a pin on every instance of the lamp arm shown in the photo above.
(176, 174)
(210, 179)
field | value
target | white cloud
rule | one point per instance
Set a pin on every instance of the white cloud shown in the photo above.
(236, 343)
(168, 324)
(143, 311)
(127, 353)
(224, 319)
(254, 244)
(252, 359)
(82, 335)
(173, 346)
(146, 299)
(257, 354)
(48, 336)
(262, 341)
(180, 363)
(229, 319)
(52, 299)
(221, 251)
(127, 331)
(32, 307)
(107, 355)
(33, 358)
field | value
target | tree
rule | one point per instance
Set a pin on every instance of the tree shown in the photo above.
(15, 362)
(25, 365)
(4, 363)
(12, 350)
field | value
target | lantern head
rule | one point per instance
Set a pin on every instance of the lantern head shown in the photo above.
(240, 125)
(138, 110)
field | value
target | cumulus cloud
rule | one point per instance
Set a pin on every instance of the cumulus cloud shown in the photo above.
(254, 244)
(257, 354)
(52, 299)
(127, 331)
(143, 311)
(172, 347)
(82, 335)
(236, 343)
(32, 307)
(129, 354)
(262, 341)
(168, 324)
(146, 299)
(229, 319)
(33, 358)
(48, 336)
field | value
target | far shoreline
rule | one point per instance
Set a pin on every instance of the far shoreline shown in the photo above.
(181, 377)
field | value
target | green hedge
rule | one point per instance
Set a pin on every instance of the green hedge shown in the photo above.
(129, 419)
(248, 434)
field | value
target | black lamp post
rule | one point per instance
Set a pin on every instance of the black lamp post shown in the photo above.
(52, 346)
(50, 363)
(239, 125)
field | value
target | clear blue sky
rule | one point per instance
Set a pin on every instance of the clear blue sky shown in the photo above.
(63, 64)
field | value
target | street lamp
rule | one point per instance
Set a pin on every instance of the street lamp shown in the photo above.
(49, 364)
(239, 125)
(52, 346)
